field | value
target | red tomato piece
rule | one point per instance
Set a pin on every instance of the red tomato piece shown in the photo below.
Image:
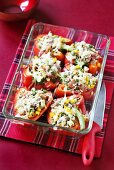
(49, 85)
(93, 68)
(59, 55)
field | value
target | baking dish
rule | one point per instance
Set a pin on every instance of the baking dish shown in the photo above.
(101, 43)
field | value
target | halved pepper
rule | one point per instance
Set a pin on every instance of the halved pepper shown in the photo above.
(56, 53)
(31, 104)
(68, 112)
(29, 82)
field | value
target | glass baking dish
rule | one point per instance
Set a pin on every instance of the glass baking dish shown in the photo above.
(101, 43)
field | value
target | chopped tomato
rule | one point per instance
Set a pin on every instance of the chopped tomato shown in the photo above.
(59, 55)
(93, 68)
(49, 85)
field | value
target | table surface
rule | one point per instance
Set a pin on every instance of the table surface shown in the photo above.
(96, 16)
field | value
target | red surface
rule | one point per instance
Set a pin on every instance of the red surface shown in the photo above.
(93, 16)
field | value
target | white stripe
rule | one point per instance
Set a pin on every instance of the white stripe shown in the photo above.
(71, 144)
(99, 40)
(4, 126)
(71, 34)
(109, 78)
(41, 136)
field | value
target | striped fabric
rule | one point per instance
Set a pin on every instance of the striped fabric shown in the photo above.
(37, 135)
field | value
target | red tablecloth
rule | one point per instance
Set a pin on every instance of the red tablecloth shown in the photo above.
(18, 155)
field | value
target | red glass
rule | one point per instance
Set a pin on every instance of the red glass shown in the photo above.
(16, 9)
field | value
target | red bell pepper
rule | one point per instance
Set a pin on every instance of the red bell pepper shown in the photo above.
(58, 54)
(28, 81)
(78, 115)
(21, 97)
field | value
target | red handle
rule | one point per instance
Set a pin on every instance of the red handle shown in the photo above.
(88, 149)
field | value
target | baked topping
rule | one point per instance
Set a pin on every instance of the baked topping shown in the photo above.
(66, 113)
(45, 68)
(75, 79)
(29, 104)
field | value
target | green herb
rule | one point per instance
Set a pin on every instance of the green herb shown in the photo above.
(91, 46)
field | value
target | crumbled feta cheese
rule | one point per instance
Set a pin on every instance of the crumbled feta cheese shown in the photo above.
(45, 66)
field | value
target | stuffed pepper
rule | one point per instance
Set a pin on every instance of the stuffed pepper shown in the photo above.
(31, 104)
(54, 43)
(43, 72)
(68, 112)
(74, 80)
(84, 54)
